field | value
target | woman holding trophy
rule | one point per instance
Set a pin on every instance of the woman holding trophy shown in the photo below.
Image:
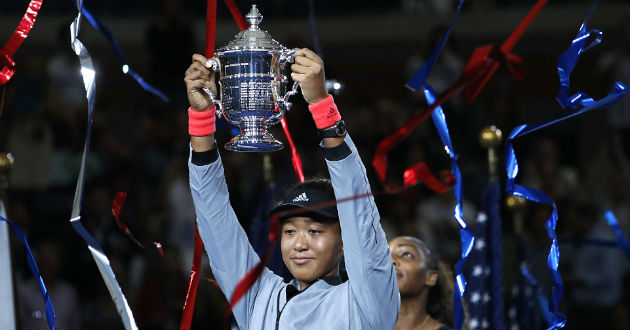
(312, 239)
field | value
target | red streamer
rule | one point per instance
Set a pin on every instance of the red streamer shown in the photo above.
(15, 41)
(119, 200)
(193, 282)
(501, 56)
(483, 63)
(421, 172)
(252, 275)
(295, 157)
(211, 27)
(191, 294)
(236, 14)
(117, 204)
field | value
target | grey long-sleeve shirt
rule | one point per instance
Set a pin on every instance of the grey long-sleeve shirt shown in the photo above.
(368, 300)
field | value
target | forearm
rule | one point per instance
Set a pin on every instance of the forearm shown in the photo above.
(202, 143)
(333, 142)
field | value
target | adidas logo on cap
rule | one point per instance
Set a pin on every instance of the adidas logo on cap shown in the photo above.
(301, 198)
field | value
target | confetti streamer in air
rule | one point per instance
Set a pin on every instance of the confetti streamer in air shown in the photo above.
(126, 69)
(32, 265)
(101, 260)
(15, 41)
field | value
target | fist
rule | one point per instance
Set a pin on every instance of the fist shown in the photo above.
(308, 71)
(198, 77)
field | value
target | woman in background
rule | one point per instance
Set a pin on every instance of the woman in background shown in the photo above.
(426, 286)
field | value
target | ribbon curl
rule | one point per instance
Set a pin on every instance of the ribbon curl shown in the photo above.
(582, 103)
(16, 39)
(554, 318)
(102, 262)
(482, 64)
(568, 60)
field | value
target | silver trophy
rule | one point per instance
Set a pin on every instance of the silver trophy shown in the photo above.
(253, 71)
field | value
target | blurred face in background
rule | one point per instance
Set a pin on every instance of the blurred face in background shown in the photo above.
(411, 267)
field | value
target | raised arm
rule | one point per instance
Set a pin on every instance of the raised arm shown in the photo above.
(367, 256)
(225, 241)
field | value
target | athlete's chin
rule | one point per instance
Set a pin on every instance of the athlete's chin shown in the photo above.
(303, 274)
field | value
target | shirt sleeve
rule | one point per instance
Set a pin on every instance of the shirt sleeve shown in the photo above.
(226, 243)
(367, 257)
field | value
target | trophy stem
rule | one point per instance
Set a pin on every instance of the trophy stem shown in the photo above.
(253, 137)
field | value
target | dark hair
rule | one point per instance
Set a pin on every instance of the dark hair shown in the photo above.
(440, 298)
(321, 184)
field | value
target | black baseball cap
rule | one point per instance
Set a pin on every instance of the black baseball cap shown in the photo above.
(311, 199)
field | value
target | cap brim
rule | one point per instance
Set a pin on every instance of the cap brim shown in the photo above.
(303, 210)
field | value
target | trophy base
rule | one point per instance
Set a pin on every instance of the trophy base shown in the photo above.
(254, 146)
(254, 137)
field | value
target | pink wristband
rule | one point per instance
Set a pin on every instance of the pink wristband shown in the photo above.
(201, 123)
(325, 113)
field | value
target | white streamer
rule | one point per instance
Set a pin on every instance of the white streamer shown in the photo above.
(89, 77)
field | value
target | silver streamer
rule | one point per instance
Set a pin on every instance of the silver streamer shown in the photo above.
(89, 77)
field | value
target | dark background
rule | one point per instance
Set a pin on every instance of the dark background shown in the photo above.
(140, 144)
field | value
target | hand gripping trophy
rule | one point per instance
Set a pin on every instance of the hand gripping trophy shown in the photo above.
(253, 70)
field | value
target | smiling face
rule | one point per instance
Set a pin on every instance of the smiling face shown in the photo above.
(412, 272)
(310, 249)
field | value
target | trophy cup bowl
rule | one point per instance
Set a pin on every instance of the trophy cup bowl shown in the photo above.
(254, 95)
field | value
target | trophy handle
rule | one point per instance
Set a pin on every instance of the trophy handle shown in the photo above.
(215, 65)
(282, 102)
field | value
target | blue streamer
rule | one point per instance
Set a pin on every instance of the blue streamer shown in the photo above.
(581, 103)
(32, 265)
(568, 60)
(126, 69)
(543, 302)
(467, 238)
(622, 241)
(419, 78)
(553, 317)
